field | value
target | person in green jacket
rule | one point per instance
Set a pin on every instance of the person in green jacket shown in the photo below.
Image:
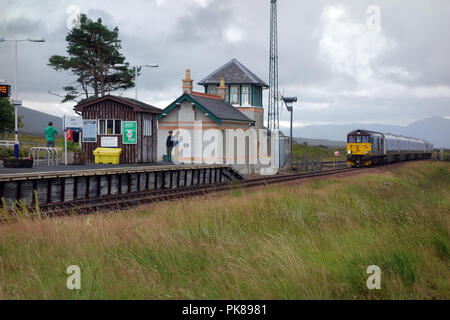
(50, 135)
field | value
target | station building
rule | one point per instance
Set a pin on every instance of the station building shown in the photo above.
(232, 100)
(112, 116)
(243, 89)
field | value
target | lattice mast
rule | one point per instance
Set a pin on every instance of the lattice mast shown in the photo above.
(273, 119)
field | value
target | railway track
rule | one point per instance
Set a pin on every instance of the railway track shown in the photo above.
(123, 201)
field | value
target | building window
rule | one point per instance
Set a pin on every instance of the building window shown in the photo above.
(117, 126)
(246, 96)
(234, 97)
(212, 89)
(148, 127)
(109, 127)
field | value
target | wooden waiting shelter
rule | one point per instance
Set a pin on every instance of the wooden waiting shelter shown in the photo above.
(118, 122)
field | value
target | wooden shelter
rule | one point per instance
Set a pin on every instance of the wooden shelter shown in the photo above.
(111, 113)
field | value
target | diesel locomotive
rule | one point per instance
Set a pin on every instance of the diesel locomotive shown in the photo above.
(365, 148)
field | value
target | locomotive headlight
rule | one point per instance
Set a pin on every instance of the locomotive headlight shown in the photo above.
(367, 152)
(349, 151)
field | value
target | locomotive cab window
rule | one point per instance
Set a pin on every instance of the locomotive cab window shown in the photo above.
(358, 139)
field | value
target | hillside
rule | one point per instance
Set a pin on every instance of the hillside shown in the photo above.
(35, 121)
(322, 142)
(434, 129)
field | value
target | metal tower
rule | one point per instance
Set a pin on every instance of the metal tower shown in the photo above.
(273, 118)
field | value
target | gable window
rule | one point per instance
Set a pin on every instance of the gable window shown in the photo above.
(234, 96)
(109, 126)
(246, 96)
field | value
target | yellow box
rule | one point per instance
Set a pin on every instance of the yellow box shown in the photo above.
(107, 155)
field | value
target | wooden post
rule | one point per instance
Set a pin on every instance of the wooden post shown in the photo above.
(75, 188)
(19, 189)
(163, 185)
(109, 184)
(2, 190)
(33, 199)
(63, 189)
(99, 186)
(87, 194)
(49, 190)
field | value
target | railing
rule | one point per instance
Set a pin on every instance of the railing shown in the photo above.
(6, 143)
(306, 164)
(51, 153)
(335, 164)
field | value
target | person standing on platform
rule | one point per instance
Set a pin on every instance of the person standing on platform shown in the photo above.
(169, 145)
(50, 133)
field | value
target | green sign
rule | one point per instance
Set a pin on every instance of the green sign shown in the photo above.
(129, 133)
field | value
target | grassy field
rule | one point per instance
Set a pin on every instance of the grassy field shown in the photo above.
(312, 241)
(300, 150)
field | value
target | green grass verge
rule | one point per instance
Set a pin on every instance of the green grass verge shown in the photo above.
(313, 241)
(300, 150)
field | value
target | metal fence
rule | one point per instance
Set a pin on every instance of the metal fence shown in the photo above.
(6, 143)
(306, 163)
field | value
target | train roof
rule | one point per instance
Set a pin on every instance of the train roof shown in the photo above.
(365, 132)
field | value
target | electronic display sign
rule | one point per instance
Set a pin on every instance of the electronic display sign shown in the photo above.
(5, 90)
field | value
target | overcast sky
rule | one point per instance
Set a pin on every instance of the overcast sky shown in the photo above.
(345, 60)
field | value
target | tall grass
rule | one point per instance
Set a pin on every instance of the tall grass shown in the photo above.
(312, 241)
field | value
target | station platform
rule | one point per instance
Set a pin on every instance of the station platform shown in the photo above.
(43, 170)
(50, 184)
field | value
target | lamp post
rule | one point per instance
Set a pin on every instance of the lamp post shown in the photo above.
(16, 103)
(121, 65)
(289, 101)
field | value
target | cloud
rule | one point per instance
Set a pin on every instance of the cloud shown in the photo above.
(350, 47)
(341, 70)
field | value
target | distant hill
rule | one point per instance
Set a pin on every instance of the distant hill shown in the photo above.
(434, 129)
(321, 142)
(35, 122)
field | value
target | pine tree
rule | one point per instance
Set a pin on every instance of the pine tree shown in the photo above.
(7, 117)
(93, 50)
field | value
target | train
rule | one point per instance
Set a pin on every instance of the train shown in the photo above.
(367, 148)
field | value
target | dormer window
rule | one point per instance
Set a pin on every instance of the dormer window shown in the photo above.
(212, 89)
(246, 95)
(234, 94)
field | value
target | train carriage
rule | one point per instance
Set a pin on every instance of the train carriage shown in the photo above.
(365, 148)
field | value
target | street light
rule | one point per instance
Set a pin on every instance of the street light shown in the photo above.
(121, 65)
(15, 101)
(289, 101)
